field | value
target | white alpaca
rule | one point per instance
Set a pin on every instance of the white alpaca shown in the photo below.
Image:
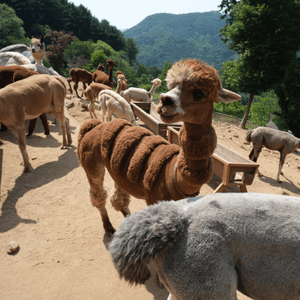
(271, 124)
(112, 103)
(138, 94)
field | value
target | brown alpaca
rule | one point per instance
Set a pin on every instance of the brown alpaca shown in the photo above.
(122, 85)
(100, 77)
(145, 165)
(77, 75)
(29, 98)
(10, 74)
(92, 92)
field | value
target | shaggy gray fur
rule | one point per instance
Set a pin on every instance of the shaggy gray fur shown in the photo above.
(208, 249)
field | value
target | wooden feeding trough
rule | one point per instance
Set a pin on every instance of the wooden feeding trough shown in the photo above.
(146, 112)
(231, 167)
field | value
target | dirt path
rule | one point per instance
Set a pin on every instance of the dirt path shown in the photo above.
(63, 252)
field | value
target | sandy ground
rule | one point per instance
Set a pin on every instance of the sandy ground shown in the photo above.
(63, 252)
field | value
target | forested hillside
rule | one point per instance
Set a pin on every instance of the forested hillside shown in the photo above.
(167, 37)
(39, 15)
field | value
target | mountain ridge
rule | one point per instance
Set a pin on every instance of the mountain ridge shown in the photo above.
(168, 37)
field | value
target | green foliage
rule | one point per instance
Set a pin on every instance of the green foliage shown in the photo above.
(234, 109)
(132, 51)
(98, 57)
(11, 30)
(262, 107)
(265, 34)
(167, 37)
(60, 15)
(162, 76)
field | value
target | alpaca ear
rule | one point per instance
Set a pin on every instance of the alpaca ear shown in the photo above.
(42, 38)
(29, 35)
(227, 96)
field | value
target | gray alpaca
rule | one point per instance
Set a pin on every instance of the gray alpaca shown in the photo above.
(210, 248)
(282, 141)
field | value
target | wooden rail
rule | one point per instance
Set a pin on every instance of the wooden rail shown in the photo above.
(146, 112)
(231, 167)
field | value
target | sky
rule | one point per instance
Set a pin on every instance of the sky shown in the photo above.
(125, 14)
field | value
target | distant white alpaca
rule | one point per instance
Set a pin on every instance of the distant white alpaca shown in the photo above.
(271, 124)
(112, 103)
(138, 94)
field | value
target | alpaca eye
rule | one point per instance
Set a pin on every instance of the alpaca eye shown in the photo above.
(198, 95)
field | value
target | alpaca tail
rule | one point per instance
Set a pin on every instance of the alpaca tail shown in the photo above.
(142, 236)
(85, 128)
(248, 136)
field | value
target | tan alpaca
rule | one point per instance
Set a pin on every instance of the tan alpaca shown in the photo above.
(29, 98)
(38, 49)
(92, 92)
(122, 85)
(146, 165)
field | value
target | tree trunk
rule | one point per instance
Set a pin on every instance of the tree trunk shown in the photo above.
(245, 118)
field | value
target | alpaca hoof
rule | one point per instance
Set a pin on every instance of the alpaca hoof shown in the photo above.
(29, 135)
(110, 232)
(279, 181)
(28, 169)
(260, 175)
(46, 133)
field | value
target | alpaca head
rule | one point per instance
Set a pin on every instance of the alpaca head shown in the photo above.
(110, 64)
(193, 88)
(118, 73)
(38, 48)
(156, 82)
(100, 67)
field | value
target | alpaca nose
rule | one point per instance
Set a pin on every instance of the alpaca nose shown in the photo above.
(166, 100)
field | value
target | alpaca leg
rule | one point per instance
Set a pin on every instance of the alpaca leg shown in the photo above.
(120, 201)
(108, 116)
(281, 163)
(19, 133)
(98, 198)
(69, 80)
(67, 126)
(31, 127)
(58, 113)
(44, 120)
(254, 156)
(75, 88)
(84, 87)
(91, 108)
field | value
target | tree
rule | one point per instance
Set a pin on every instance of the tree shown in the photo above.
(132, 51)
(11, 30)
(59, 42)
(265, 34)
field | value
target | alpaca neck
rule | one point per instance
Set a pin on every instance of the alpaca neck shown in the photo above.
(152, 90)
(194, 165)
(110, 75)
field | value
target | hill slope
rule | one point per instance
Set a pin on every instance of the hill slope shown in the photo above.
(168, 37)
